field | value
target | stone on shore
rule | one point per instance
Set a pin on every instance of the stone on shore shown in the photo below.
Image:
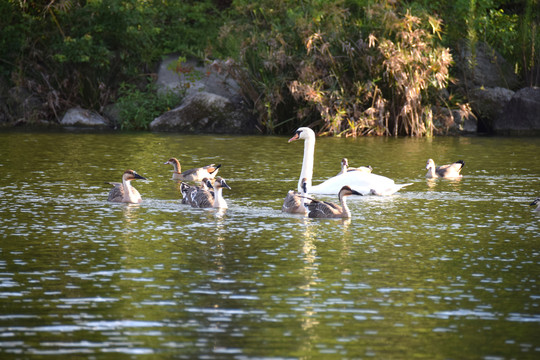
(79, 117)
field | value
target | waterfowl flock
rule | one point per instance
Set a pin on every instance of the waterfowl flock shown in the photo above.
(196, 174)
(349, 181)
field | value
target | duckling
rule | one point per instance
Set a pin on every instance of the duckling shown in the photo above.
(187, 190)
(444, 171)
(195, 174)
(536, 202)
(323, 209)
(206, 198)
(202, 197)
(294, 201)
(345, 167)
(219, 185)
(124, 192)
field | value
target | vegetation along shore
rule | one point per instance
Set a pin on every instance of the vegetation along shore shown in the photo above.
(344, 68)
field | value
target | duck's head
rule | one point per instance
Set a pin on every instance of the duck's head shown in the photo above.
(304, 185)
(344, 162)
(184, 188)
(220, 183)
(302, 133)
(430, 164)
(536, 202)
(132, 175)
(206, 182)
(347, 191)
(172, 161)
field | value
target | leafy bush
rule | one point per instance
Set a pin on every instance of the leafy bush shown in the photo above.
(137, 109)
(319, 62)
(269, 35)
(352, 67)
(77, 52)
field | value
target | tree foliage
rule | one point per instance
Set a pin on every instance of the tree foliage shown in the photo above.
(79, 52)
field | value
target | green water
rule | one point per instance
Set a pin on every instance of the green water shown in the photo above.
(442, 270)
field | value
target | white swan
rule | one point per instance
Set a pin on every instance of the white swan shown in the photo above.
(364, 183)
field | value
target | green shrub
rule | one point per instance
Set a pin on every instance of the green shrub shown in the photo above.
(76, 52)
(137, 109)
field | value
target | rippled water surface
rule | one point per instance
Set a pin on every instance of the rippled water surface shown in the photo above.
(442, 270)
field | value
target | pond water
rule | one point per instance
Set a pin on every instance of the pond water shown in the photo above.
(444, 269)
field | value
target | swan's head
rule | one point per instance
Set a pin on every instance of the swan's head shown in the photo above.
(430, 164)
(131, 175)
(303, 133)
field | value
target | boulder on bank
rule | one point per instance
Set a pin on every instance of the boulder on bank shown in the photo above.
(213, 101)
(488, 104)
(205, 112)
(521, 115)
(482, 66)
(83, 118)
(191, 78)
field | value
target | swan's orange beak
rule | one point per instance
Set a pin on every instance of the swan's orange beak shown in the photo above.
(295, 137)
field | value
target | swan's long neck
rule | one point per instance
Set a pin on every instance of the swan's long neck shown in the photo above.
(307, 163)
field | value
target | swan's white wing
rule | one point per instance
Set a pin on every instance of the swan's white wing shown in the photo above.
(364, 183)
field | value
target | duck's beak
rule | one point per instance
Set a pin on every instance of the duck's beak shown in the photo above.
(533, 203)
(354, 192)
(166, 163)
(225, 185)
(137, 176)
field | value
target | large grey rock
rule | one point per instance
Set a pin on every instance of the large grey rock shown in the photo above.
(484, 67)
(193, 78)
(488, 104)
(213, 101)
(83, 118)
(521, 114)
(204, 112)
(466, 122)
